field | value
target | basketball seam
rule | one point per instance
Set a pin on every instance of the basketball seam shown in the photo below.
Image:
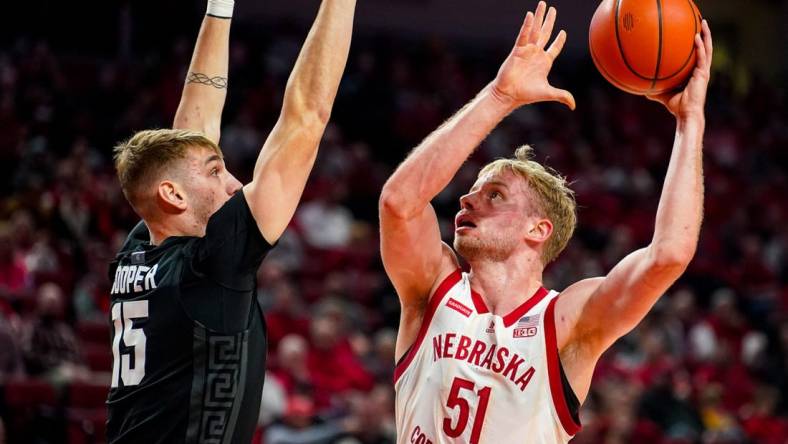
(610, 78)
(656, 78)
(659, 45)
(692, 49)
(621, 48)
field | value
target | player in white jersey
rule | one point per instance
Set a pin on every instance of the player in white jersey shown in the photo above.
(490, 356)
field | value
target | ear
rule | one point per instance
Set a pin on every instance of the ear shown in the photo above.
(538, 230)
(171, 197)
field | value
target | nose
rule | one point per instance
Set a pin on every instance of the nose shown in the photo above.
(466, 201)
(232, 185)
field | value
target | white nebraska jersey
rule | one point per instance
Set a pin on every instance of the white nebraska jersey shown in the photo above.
(474, 377)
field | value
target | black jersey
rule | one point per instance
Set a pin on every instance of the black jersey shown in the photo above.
(188, 336)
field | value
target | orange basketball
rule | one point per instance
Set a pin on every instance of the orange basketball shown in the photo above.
(645, 46)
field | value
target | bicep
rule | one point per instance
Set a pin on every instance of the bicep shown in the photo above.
(623, 298)
(413, 254)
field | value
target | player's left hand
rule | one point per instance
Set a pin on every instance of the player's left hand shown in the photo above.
(522, 78)
(690, 102)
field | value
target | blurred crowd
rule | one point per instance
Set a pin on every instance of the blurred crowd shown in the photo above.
(708, 365)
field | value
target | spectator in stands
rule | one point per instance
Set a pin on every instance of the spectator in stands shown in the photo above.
(286, 314)
(300, 425)
(50, 345)
(333, 365)
(11, 365)
(325, 222)
(14, 277)
(291, 368)
(375, 415)
(273, 402)
(380, 354)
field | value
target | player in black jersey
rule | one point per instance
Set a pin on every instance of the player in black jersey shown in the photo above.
(188, 336)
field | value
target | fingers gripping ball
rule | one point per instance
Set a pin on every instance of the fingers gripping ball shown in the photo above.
(645, 46)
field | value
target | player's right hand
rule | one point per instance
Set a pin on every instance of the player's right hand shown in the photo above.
(690, 101)
(522, 79)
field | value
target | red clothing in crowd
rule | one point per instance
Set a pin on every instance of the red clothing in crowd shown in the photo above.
(336, 370)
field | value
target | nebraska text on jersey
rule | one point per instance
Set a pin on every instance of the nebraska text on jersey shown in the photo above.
(483, 355)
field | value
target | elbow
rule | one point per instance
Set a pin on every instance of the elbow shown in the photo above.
(305, 120)
(392, 202)
(211, 128)
(307, 110)
(322, 114)
(674, 257)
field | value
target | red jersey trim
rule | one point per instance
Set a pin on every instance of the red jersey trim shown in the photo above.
(518, 312)
(435, 301)
(478, 303)
(556, 387)
(514, 315)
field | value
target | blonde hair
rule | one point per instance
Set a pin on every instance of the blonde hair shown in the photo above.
(554, 199)
(142, 158)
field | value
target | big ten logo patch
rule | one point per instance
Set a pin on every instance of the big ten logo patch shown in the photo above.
(526, 327)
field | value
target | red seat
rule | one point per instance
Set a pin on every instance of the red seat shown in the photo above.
(29, 403)
(87, 395)
(93, 332)
(98, 357)
(28, 393)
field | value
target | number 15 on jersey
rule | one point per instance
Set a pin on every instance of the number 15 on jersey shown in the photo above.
(128, 366)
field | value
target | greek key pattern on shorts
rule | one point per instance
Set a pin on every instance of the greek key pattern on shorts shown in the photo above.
(218, 387)
(222, 377)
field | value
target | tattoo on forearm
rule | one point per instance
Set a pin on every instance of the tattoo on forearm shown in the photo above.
(198, 77)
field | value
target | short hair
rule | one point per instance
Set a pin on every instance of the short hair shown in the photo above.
(554, 198)
(141, 159)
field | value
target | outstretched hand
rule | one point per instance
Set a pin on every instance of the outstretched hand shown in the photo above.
(690, 101)
(522, 78)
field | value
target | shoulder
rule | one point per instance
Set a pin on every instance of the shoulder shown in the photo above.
(448, 268)
(232, 246)
(234, 209)
(233, 221)
(570, 303)
(572, 299)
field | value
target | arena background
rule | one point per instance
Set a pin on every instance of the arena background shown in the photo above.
(708, 365)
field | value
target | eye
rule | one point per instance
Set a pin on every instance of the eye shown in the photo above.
(495, 195)
(214, 171)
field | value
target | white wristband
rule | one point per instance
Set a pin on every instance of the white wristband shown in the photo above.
(220, 8)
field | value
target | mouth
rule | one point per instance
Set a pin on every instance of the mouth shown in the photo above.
(463, 223)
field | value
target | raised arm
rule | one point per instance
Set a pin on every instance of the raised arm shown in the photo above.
(413, 255)
(288, 154)
(595, 313)
(205, 91)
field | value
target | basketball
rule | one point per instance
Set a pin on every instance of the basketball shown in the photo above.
(645, 47)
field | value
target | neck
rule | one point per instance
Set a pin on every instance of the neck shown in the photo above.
(505, 285)
(159, 234)
(174, 226)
